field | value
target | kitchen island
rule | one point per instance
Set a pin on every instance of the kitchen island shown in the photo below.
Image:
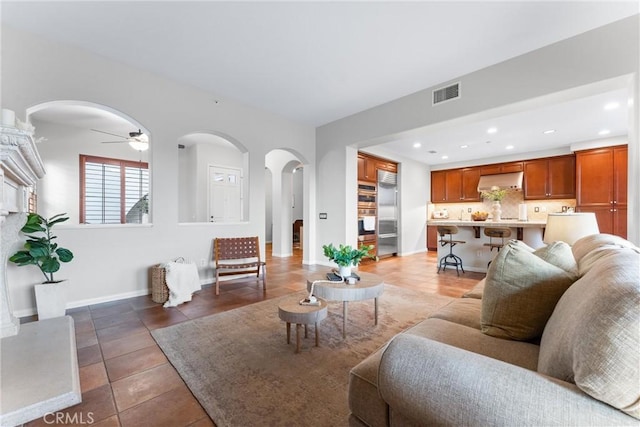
(475, 256)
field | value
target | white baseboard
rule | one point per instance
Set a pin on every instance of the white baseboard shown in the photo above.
(419, 251)
(282, 255)
(89, 301)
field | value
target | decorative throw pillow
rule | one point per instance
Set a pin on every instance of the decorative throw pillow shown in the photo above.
(521, 291)
(592, 338)
(556, 253)
(560, 255)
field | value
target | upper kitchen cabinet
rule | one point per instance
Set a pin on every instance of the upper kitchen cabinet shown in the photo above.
(453, 180)
(386, 166)
(501, 168)
(366, 168)
(455, 185)
(470, 178)
(446, 186)
(601, 187)
(550, 178)
(438, 186)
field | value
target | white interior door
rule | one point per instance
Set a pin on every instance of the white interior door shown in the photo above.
(225, 194)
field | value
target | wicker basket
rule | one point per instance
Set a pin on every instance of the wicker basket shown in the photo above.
(159, 289)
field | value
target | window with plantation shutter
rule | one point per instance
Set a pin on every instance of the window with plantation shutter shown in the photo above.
(113, 191)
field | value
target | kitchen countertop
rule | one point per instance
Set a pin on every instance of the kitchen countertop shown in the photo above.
(489, 223)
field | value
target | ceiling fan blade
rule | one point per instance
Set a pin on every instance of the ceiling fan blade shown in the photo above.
(113, 142)
(109, 133)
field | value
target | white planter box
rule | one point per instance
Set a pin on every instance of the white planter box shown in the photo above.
(51, 299)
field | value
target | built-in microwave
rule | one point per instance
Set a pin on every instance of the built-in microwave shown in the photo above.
(366, 194)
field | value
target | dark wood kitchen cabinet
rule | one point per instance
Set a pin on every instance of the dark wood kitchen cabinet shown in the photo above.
(550, 178)
(438, 186)
(501, 168)
(366, 169)
(455, 185)
(601, 187)
(470, 179)
(432, 238)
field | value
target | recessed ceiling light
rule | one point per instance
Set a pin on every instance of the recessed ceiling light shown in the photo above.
(487, 142)
(549, 131)
(611, 106)
(417, 145)
(604, 132)
(509, 147)
(432, 151)
(464, 146)
(492, 130)
(445, 157)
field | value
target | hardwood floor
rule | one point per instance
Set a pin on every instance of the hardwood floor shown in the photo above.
(127, 381)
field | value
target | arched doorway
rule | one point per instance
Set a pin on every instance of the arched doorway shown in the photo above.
(285, 204)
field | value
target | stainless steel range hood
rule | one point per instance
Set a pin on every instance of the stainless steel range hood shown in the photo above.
(509, 181)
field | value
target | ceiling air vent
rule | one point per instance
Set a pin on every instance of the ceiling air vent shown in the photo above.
(446, 93)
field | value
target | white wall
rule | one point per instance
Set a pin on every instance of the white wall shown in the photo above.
(602, 59)
(112, 261)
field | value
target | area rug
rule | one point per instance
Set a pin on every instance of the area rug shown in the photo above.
(240, 368)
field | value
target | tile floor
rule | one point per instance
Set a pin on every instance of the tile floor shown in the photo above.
(127, 381)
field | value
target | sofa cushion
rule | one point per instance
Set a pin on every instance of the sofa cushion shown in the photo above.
(593, 336)
(364, 401)
(518, 353)
(520, 293)
(476, 291)
(588, 250)
(464, 311)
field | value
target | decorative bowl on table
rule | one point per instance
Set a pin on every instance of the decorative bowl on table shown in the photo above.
(479, 216)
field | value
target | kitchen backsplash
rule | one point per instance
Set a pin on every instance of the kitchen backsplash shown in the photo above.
(509, 206)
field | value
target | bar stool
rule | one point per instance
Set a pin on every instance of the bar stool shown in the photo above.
(496, 233)
(450, 258)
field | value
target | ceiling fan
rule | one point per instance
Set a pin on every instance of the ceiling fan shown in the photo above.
(137, 140)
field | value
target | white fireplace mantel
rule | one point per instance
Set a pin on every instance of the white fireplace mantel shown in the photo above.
(39, 364)
(20, 168)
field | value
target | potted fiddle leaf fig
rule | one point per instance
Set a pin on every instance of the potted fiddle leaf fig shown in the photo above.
(346, 256)
(41, 250)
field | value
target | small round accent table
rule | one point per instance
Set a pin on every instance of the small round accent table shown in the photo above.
(370, 286)
(291, 311)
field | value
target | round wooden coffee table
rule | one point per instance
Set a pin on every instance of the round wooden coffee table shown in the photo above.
(291, 311)
(369, 286)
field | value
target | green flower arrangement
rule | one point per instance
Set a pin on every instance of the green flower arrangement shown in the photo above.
(346, 256)
(495, 195)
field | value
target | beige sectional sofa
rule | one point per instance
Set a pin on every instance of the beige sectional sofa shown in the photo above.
(549, 337)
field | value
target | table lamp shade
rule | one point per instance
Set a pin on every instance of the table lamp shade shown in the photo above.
(570, 227)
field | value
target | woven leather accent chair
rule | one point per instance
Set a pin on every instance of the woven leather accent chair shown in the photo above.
(238, 255)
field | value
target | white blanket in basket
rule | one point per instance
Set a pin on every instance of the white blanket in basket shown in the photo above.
(182, 280)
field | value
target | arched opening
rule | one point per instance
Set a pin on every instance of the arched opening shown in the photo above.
(213, 178)
(285, 205)
(97, 163)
